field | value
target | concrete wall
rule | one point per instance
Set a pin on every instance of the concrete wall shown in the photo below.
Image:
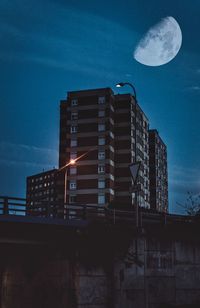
(152, 273)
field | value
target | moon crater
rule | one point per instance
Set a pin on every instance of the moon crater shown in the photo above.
(160, 44)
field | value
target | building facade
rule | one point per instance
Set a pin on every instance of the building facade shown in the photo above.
(131, 145)
(111, 132)
(41, 194)
(158, 172)
(87, 131)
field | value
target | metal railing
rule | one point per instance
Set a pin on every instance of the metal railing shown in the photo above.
(19, 207)
(12, 206)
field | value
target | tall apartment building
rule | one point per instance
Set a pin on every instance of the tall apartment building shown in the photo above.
(87, 126)
(41, 193)
(131, 144)
(158, 172)
(113, 131)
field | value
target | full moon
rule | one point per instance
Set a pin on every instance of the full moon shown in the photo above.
(160, 44)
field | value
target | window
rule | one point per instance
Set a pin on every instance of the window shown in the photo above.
(101, 198)
(74, 102)
(112, 177)
(73, 129)
(101, 169)
(101, 113)
(101, 127)
(72, 198)
(74, 116)
(101, 184)
(73, 155)
(73, 170)
(101, 141)
(101, 155)
(101, 100)
(111, 135)
(73, 143)
(72, 184)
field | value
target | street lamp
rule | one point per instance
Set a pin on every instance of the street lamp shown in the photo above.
(135, 167)
(65, 167)
(71, 163)
(122, 84)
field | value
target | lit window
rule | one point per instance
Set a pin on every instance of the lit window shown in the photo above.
(101, 198)
(74, 116)
(101, 127)
(74, 102)
(101, 155)
(101, 141)
(72, 184)
(73, 170)
(101, 113)
(73, 129)
(101, 169)
(101, 184)
(73, 155)
(101, 100)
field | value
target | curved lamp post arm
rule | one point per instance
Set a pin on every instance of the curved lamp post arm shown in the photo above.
(122, 84)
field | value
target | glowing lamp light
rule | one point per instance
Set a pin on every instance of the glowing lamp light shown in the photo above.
(119, 85)
(72, 161)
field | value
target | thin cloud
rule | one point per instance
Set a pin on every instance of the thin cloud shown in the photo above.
(24, 164)
(29, 155)
(69, 47)
(193, 88)
(183, 180)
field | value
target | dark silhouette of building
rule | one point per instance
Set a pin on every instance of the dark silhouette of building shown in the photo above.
(158, 172)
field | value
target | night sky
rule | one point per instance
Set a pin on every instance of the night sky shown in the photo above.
(51, 47)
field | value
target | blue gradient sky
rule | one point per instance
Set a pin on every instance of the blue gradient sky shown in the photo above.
(51, 47)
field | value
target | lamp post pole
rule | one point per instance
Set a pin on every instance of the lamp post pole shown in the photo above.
(65, 186)
(65, 167)
(137, 164)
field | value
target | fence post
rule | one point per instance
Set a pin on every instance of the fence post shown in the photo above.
(5, 206)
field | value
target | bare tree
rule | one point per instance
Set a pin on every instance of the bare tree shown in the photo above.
(192, 204)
